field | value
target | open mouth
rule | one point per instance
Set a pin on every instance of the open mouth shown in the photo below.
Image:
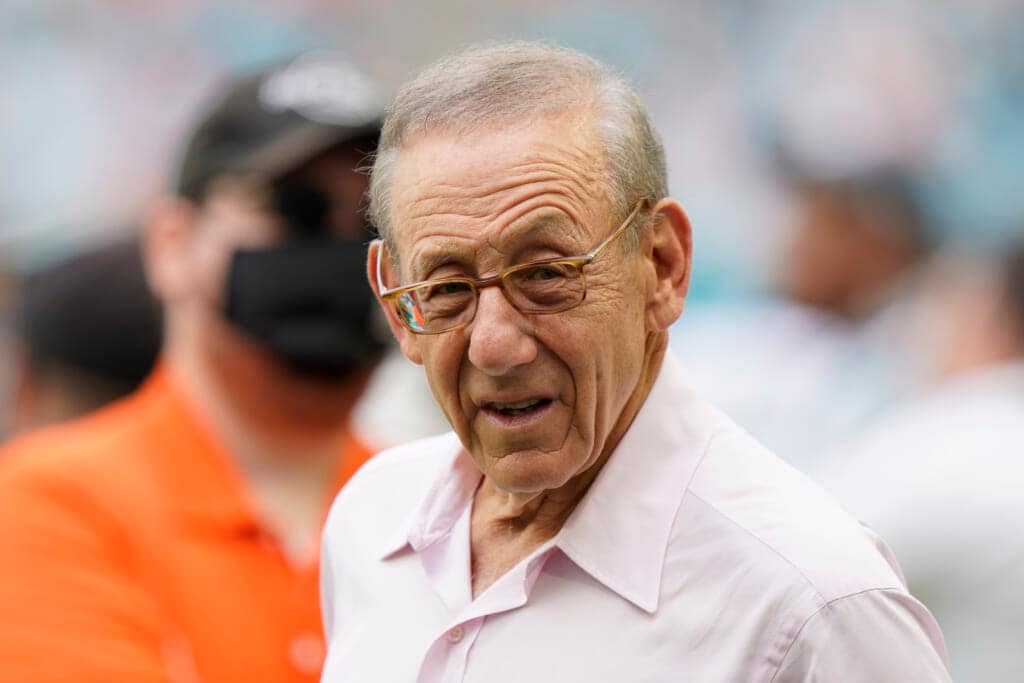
(518, 408)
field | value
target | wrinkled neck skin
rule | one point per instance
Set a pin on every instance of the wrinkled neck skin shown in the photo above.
(532, 518)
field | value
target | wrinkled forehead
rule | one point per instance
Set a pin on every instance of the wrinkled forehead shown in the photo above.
(548, 176)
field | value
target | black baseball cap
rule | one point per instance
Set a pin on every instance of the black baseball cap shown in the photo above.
(269, 122)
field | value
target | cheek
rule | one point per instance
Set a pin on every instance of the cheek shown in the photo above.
(604, 351)
(208, 272)
(443, 362)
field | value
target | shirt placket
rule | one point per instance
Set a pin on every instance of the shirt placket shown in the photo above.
(448, 655)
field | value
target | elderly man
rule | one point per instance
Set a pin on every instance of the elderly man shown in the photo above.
(590, 518)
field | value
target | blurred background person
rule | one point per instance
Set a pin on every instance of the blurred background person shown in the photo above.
(175, 535)
(856, 239)
(839, 338)
(84, 332)
(940, 478)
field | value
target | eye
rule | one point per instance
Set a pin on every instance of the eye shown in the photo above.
(454, 288)
(544, 273)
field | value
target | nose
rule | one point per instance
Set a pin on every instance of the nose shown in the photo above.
(499, 337)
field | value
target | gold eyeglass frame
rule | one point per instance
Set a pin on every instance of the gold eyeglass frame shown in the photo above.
(476, 284)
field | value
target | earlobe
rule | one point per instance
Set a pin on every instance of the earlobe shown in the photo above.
(378, 270)
(669, 248)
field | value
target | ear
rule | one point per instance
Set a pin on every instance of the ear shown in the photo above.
(669, 246)
(166, 241)
(377, 258)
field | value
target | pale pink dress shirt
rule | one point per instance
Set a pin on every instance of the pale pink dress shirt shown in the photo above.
(696, 555)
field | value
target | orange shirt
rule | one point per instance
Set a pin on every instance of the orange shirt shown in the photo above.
(129, 552)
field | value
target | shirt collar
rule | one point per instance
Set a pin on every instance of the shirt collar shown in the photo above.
(620, 530)
(433, 517)
(210, 493)
(189, 458)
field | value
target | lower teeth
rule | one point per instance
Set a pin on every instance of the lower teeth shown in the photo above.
(517, 411)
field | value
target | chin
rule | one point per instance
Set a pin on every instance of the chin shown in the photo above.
(529, 471)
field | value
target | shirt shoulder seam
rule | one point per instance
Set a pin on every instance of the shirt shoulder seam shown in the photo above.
(821, 608)
(763, 542)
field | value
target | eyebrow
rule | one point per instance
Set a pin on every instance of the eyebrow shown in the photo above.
(435, 257)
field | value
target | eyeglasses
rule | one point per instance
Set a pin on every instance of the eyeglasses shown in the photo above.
(548, 286)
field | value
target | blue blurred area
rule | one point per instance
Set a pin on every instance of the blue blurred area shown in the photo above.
(96, 93)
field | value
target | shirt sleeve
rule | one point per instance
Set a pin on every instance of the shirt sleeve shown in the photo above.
(71, 609)
(878, 636)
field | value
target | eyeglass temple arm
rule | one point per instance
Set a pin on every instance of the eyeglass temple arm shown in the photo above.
(588, 257)
(622, 228)
(383, 290)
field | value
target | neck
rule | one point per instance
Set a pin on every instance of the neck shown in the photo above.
(285, 434)
(287, 461)
(266, 416)
(508, 526)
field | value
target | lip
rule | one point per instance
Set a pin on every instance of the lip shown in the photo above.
(506, 421)
(484, 401)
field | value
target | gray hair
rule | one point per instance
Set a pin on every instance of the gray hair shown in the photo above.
(495, 84)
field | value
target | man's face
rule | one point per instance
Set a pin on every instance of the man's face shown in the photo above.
(532, 397)
(238, 216)
(822, 257)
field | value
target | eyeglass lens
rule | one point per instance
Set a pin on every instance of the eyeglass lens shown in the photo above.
(541, 288)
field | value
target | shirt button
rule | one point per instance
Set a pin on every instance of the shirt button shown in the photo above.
(455, 635)
(306, 653)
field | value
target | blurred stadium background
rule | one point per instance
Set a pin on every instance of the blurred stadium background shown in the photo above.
(95, 93)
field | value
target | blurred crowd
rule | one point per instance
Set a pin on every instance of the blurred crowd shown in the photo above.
(852, 171)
